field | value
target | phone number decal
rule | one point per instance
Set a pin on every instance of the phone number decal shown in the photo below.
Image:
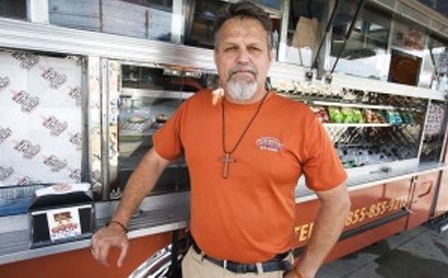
(375, 210)
(357, 216)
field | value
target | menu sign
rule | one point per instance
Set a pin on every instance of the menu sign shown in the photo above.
(40, 119)
(63, 223)
(409, 37)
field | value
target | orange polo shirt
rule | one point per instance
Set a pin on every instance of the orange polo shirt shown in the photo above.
(250, 216)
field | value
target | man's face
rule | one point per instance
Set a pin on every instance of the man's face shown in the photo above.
(242, 58)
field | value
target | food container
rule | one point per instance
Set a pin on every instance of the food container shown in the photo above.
(321, 114)
(373, 116)
(335, 115)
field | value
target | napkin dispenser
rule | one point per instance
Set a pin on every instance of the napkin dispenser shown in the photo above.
(61, 213)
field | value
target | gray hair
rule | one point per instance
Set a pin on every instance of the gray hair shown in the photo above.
(244, 9)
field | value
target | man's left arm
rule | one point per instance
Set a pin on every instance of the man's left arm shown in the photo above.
(328, 225)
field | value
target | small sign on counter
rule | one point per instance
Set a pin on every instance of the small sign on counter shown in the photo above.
(64, 223)
(61, 213)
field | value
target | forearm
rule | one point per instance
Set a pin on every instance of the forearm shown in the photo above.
(328, 226)
(139, 185)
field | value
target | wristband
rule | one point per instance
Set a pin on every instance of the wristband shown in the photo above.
(119, 224)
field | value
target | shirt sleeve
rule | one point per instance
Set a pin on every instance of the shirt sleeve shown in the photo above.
(167, 140)
(322, 167)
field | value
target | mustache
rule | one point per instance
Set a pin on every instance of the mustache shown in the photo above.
(248, 68)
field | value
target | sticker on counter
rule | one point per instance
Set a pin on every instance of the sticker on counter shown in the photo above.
(63, 223)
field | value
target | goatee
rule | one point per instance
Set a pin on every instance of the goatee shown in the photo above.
(242, 88)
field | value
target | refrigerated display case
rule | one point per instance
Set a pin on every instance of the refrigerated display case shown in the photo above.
(368, 128)
(148, 97)
(145, 104)
(374, 133)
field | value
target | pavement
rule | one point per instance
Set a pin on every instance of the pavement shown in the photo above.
(420, 252)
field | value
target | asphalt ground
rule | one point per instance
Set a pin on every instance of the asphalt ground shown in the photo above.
(420, 252)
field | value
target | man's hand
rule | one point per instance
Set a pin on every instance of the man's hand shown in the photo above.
(141, 182)
(111, 236)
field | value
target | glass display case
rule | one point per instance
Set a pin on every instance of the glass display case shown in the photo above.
(372, 130)
(149, 97)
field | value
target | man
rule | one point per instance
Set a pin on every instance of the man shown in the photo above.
(245, 147)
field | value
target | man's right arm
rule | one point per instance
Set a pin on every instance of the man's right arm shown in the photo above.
(140, 184)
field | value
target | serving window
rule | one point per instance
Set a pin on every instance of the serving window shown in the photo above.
(134, 18)
(365, 52)
(200, 16)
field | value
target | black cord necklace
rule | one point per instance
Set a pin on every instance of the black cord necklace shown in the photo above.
(226, 159)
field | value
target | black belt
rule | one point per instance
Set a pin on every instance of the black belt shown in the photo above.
(278, 263)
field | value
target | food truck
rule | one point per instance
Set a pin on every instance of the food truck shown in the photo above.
(84, 84)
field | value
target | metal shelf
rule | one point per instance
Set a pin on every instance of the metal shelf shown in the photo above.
(354, 105)
(151, 93)
(316, 100)
(358, 125)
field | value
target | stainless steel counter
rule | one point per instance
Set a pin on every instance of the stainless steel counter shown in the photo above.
(161, 214)
(369, 177)
(157, 214)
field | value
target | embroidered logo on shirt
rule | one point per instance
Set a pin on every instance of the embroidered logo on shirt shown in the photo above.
(270, 144)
